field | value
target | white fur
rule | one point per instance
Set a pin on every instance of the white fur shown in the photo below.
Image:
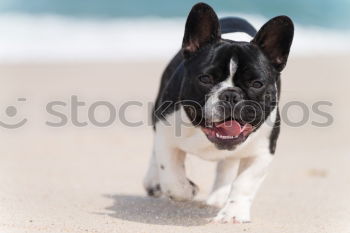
(235, 193)
(226, 171)
(211, 107)
(152, 178)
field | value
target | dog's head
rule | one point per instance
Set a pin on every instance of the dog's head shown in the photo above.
(231, 87)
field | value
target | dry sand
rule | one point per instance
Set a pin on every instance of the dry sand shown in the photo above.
(88, 179)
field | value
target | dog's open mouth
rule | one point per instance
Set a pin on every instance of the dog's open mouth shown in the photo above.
(229, 130)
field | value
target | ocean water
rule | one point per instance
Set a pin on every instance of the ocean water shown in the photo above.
(324, 13)
(50, 30)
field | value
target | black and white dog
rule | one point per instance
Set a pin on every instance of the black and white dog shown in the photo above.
(218, 99)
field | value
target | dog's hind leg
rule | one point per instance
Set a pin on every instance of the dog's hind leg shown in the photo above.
(226, 172)
(244, 188)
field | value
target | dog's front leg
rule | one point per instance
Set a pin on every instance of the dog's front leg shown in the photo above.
(243, 190)
(172, 174)
(151, 180)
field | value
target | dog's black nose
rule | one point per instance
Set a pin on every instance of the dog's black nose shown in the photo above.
(230, 95)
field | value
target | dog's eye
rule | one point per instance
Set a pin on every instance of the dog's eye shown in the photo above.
(206, 79)
(256, 84)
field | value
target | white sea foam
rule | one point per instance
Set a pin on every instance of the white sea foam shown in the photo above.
(53, 38)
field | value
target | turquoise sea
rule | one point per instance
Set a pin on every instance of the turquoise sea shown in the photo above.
(323, 13)
(46, 30)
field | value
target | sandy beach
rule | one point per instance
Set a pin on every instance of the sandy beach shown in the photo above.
(89, 179)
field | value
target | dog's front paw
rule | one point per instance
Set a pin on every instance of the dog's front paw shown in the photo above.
(154, 191)
(180, 191)
(233, 213)
(218, 197)
(152, 186)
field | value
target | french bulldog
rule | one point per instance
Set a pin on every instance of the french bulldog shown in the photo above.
(218, 99)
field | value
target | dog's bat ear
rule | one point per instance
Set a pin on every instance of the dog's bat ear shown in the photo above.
(275, 39)
(202, 27)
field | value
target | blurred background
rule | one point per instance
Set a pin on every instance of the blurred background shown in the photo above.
(42, 30)
(88, 178)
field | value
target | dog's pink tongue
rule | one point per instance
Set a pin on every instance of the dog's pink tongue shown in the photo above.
(229, 128)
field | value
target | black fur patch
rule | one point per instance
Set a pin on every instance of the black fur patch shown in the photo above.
(154, 191)
(275, 133)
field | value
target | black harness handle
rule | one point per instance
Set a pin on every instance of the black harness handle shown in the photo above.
(236, 24)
